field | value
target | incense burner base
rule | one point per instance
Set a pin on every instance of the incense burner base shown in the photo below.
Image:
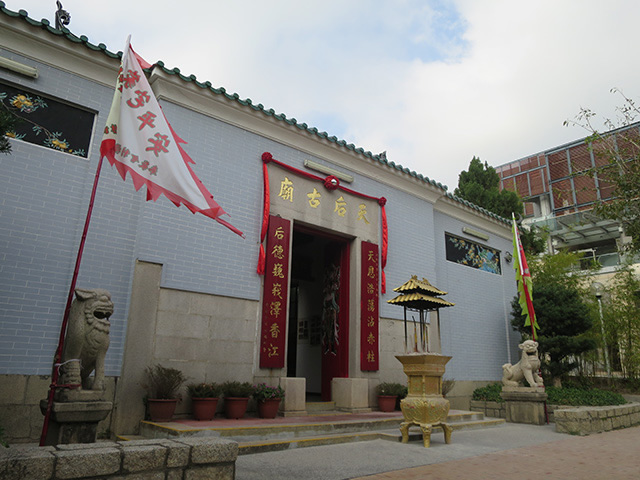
(426, 432)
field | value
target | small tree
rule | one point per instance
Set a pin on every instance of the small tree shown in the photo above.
(562, 314)
(622, 319)
(481, 185)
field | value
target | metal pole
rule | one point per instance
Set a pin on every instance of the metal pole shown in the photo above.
(604, 339)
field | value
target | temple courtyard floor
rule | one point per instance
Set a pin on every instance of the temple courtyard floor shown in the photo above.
(508, 451)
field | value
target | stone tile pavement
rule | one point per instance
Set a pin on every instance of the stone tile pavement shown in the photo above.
(511, 451)
(612, 456)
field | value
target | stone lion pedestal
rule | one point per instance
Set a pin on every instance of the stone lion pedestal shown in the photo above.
(74, 419)
(525, 404)
(424, 406)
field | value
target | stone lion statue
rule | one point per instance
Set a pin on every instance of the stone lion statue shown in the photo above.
(87, 339)
(525, 369)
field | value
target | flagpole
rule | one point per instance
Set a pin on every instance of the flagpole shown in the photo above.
(65, 319)
(533, 330)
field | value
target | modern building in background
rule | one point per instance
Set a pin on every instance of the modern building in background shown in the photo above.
(559, 197)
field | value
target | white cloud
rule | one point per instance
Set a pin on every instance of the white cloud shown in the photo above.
(430, 86)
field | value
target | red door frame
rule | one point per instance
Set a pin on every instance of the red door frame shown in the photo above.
(336, 365)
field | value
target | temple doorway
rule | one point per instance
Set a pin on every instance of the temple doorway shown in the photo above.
(318, 341)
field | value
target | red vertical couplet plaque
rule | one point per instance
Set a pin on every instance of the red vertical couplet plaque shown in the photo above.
(275, 298)
(369, 308)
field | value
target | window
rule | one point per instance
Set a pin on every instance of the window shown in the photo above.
(47, 122)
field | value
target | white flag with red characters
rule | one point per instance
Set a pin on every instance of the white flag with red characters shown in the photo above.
(139, 140)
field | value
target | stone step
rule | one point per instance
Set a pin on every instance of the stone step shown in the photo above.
(260, 430)
(314, 408)
(394, 435)
(260, 435)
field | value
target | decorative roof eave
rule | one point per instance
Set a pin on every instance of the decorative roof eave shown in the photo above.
(248, 103)
(415, 285)
(420, 301)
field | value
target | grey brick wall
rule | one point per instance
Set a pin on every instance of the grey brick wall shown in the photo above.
(44, 196)
(474, 332)
(43, 199)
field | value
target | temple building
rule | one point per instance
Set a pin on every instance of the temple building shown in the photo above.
(301, 301)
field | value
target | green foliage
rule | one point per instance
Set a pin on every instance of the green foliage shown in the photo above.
(237, 389)
(481, 185)
(7, 124)
(534, 240)
(622, 318)
(557, 396)
(447, 386)
(488, 393)
(163, 382)
(563, 316)
(204, 390)
(578, 397)
(390, 388)
(262, 391)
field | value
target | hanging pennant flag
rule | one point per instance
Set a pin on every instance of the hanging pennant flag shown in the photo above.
(139, 140)
(523, 277)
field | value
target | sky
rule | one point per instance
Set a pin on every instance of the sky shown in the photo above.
(433, 82)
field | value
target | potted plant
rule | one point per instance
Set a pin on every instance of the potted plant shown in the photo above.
(163, 391)
(204, 398)
(236, 398)
(388, 394)
(268, 399)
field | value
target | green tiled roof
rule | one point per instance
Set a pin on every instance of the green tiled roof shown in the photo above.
(66, 33)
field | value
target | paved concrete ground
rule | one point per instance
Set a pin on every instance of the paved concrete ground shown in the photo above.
(510, 451)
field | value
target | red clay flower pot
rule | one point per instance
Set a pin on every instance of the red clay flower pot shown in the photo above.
(387, 403)
(161, 410)
(204, 409)
(235, 407)
(268, 408)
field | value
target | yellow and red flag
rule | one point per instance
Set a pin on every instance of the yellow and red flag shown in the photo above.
(138, 140)
(523, 277)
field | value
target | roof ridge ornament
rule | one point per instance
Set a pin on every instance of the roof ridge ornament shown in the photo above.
(63, 18)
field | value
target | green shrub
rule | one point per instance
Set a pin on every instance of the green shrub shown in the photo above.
(447, 386)
(163, 382)
(558, 396)
(390, 388)
(488, 393)
(237, 389)
(262, 391)
(578, 397)
(204, 390)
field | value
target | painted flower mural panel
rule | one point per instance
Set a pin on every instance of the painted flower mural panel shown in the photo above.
(472, 254)
(47, 122)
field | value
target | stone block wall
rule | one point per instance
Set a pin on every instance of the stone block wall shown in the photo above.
(135, 460)
(497, 409)
(20, 414)
(490, 409)
(587, 420)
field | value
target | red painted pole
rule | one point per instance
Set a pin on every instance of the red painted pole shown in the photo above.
(65, 319)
